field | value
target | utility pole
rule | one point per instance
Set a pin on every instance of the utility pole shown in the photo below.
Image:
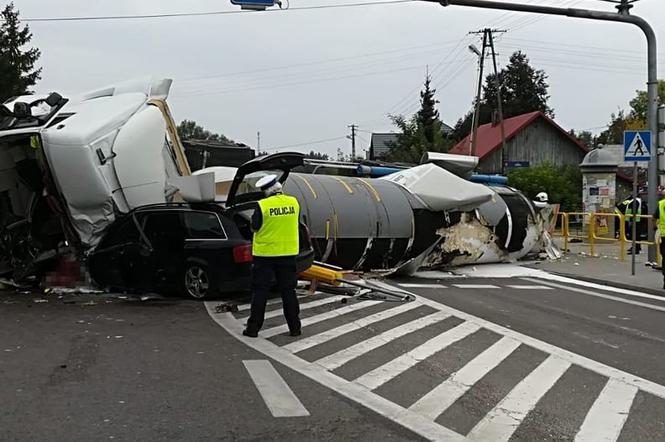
(476, 112)
(499, 104)
(352, 137)
(258, 143)
(623, 16)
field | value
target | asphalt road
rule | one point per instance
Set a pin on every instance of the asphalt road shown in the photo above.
(470, 359)
(149, 371)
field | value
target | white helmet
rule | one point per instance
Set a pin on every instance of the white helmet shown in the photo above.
(269, 184)
(542, 197)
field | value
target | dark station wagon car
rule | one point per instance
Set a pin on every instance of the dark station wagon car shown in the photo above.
(200, 250)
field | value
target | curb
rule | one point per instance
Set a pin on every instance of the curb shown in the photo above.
(604, 282)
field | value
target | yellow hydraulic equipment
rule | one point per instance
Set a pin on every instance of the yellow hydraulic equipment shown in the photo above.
(322, 273)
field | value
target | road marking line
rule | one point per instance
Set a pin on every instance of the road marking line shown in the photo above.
(500, 423)
(318, 318)
(336, 360)
(357, 393)
(610, 297)
(544, 276)
(595, 366)
(434, 403)
(279, 398)
(475, 286)
(608, 413)
(529, 287)
(325, 336)
(306, 305)
(423, 286)
(392, 369)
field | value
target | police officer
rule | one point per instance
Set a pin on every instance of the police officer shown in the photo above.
(629, 207)
(275, 246)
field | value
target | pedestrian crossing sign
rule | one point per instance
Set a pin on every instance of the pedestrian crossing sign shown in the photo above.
(637, 145)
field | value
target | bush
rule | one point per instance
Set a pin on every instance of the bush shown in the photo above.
(563, 184)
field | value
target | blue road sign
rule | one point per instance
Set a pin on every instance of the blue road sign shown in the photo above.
(637, 145)
(261, 3)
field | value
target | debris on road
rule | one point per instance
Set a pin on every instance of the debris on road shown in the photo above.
(226, 307)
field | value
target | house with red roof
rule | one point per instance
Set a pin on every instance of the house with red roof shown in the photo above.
(531, 139)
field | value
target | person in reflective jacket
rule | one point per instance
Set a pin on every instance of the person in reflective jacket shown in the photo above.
(659, 217)
(274, 248)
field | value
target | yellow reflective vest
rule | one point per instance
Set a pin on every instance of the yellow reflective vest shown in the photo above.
(661, 217)
(629, 210)
(278, 235)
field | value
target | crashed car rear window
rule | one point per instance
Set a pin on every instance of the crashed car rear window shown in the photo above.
(203, 225)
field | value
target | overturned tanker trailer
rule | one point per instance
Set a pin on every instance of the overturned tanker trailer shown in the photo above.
(425, 216)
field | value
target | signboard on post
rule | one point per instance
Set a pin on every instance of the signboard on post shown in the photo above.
(636, 147)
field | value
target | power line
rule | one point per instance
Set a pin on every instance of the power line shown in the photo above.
(309, 75)
(274, 85)
(454, 53)
(208, 13)
(330, 60)
(307, 143)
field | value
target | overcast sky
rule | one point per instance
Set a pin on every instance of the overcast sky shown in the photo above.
(304, 76)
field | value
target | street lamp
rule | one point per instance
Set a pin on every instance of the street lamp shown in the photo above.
(476, 112)
(474, 49)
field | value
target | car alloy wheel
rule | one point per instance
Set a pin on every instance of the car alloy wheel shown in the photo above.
(197, 283)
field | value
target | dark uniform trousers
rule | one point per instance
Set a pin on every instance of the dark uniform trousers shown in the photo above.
(265, 272)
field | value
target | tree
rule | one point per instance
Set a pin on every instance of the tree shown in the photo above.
(421, 133)
(640, 103)
(428, 116)
(563, 184)
(189, 130)
(17, 63)
(585, 137)
(317, 156)
(636, 119)
(523, 89)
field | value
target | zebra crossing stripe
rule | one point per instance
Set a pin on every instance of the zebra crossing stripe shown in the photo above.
(434, 403)
(327, 335)
(318, 318)
(500, 423)
(279, 398)
(608, 413)
(307, 305)
(336, 360)
(390, 370)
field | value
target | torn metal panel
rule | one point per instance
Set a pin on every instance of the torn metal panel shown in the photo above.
(460, 165)
(427, 182)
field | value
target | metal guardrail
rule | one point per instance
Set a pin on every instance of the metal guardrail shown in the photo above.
(596, 223)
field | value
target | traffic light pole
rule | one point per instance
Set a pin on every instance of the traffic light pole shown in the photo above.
(652, 64)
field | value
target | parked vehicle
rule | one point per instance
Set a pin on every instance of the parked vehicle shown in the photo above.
(199, 250)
